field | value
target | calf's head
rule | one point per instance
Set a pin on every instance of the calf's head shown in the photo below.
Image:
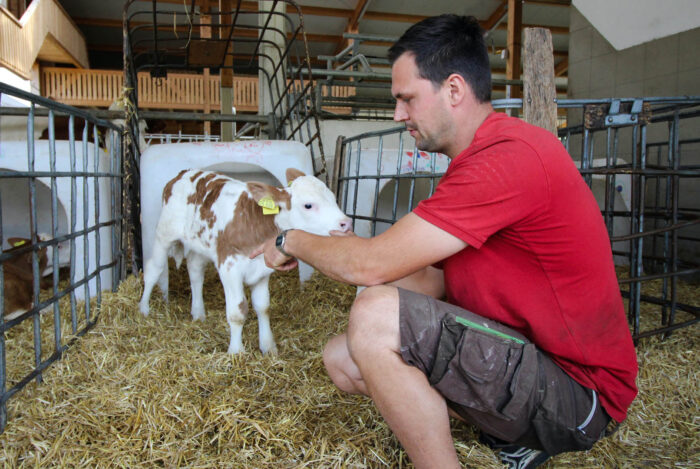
(45, 254)
(306, 204)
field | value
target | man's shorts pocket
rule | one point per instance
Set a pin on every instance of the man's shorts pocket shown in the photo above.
(483, 369)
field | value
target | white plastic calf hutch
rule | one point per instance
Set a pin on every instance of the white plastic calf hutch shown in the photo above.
(249, 160)
(16, 208)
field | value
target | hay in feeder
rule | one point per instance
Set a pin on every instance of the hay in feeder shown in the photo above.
(161, 391)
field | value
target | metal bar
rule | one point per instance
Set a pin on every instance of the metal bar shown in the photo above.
(3, 352)
(54, 232)
(73, 220)
(674, 137)
(375, 206)
(85, 222)
(33, 236)
(48, 103)
(96, 189)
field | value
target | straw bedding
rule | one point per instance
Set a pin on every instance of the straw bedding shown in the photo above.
(162, 392)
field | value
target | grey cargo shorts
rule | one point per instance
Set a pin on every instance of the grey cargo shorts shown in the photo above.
(496, 379)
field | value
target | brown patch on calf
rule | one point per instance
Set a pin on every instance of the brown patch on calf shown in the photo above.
(168, 189)
(243, 308)
(213, 189)
(196, 175)
(18, 294)
(292, 174)
(200, 190)
(246, 231)
(19, 276)
(206, 192)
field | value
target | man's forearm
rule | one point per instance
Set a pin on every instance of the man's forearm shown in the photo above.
(343, 258)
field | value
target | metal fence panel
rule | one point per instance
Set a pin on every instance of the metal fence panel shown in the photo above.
(61, 182)
(639, 157)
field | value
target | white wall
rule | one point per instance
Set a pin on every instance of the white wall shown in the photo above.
(664, 67)
(627, 23)
(669, 66)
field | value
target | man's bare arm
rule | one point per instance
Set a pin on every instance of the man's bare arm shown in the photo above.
(408, 246)
(428, 281)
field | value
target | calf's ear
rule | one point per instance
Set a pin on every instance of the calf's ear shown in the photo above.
(292, 174)
(16, 242)
(259, 190)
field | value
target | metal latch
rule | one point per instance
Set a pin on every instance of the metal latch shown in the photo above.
(617, 118)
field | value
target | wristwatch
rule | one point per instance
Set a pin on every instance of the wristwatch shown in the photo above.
(279, 243)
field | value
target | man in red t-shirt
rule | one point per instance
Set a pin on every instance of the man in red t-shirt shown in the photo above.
(531, 344)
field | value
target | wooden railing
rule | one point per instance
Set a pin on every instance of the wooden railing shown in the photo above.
(177, 91)
(46, 31)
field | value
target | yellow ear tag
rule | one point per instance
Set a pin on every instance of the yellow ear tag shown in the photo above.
(269, 206)
(19, 243)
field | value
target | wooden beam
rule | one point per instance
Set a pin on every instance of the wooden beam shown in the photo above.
(357, 14)
(554, 3)
(561, 68)
(322, 11)
(496, 16)
(539, 92)
(515, 24)
(395, 17)
(552, 29)
(110, 23)
(353, 25)
(226, 72)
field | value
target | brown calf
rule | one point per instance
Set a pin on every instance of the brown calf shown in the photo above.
(19, 278)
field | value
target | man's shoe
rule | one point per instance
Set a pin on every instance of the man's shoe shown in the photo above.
(516, 457)
(519, 457)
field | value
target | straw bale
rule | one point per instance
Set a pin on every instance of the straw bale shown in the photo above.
(161, 391)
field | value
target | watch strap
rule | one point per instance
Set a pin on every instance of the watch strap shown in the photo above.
(279, 243)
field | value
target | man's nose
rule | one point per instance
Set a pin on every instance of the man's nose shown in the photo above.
(400, 113)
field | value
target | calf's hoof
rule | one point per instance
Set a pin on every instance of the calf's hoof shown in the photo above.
(232, 350)
(198, 316)
(271, 349)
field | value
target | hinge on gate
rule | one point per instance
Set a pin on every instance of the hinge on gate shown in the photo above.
(617, 117)
(616, 114)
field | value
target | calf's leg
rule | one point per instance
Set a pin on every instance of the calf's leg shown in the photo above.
(155, 268)
(236, 306)
(260, 297)
(195, 269)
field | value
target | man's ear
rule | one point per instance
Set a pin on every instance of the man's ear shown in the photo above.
(456, 88)
(292, 174)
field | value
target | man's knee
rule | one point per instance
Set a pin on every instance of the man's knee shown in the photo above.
(374, 319)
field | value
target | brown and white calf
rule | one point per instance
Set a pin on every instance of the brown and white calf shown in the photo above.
(209, 217)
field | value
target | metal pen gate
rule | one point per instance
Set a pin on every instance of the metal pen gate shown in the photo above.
(640, 156)
(265, 31)
(72, 190)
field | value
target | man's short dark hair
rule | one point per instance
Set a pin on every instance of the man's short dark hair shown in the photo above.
(447, 44)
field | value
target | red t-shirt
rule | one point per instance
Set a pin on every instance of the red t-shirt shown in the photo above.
(539, 258)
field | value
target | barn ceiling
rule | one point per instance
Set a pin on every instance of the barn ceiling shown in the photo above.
(325, 22)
